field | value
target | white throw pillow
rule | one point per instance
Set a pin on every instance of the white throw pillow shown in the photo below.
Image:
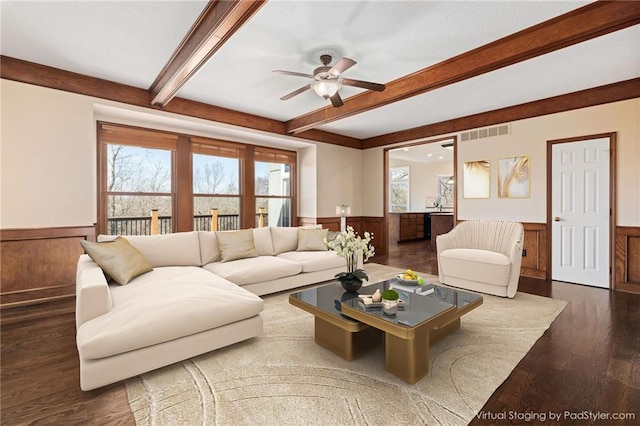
(262, 241)
(209, 250)
(284, 239)
(236, 244)
(312, 239)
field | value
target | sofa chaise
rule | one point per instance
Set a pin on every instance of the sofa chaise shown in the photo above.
(189, 293)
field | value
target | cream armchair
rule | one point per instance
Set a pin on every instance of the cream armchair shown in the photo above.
(483, 256)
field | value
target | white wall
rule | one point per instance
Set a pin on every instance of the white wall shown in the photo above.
(339, 179)
(307, 182)
(48, 175)
(423, 179)
(529, 137)
(372, 182)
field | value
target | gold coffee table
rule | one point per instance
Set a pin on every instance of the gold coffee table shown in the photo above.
(347, 328)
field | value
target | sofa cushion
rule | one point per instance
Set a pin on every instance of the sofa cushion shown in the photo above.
(312, 239)
(262, 241)
(236, 244)
(178, 249)
(166, 304)
(284, 239)
(118, 259)
(477, 265)
(255, 269)
(209, 250)
(312, 261)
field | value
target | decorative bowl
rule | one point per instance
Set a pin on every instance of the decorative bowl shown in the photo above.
(408, 282)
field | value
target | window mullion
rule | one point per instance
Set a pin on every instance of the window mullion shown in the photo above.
(248, 197)
(183, 186)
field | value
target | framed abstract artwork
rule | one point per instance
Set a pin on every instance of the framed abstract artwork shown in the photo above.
(476, 179)
(514, 177)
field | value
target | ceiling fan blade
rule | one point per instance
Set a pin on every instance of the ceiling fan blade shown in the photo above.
(363, 84)
(293, 73)
(336, 100)
(295, 92)
(342, 65)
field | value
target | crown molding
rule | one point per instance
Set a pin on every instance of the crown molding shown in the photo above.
(54, 78)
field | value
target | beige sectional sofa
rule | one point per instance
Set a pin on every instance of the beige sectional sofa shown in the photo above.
(201, 295)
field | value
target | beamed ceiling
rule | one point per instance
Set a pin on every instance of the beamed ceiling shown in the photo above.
(447, 66)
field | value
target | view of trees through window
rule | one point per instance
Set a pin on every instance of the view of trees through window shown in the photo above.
(216, 185)
(138, 181)
(399, 189)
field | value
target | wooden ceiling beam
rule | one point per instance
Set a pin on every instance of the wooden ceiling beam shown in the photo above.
(623, 90)
(219, 20)
(590, 21)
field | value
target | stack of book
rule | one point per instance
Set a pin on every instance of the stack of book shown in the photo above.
(426, 288)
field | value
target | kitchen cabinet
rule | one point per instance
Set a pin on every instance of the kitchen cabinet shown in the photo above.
(412, 226)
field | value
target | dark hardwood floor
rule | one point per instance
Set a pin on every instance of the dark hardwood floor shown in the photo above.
(588, 362)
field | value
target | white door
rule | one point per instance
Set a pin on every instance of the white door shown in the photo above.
(580, 212)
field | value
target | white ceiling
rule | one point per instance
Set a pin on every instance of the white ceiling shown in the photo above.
(432, 152)
(129, 42)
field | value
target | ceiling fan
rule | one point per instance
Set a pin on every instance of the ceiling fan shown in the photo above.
(327, 80)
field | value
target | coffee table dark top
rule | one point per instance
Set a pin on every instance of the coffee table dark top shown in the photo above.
(416, 309)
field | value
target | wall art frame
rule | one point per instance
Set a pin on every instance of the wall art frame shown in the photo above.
(514, 177)
(476, 179)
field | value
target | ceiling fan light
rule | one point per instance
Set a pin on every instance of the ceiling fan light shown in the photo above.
(326, 88)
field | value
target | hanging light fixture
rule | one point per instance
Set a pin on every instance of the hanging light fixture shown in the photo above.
(326, 88)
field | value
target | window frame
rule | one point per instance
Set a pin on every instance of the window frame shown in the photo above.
(264, 155)
(397, 183)
(182, 149)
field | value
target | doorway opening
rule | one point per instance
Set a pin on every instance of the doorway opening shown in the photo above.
(419, 183)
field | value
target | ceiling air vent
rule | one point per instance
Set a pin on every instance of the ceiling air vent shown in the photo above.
(487, 132)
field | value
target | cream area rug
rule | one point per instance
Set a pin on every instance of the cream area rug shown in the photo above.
(284, 378)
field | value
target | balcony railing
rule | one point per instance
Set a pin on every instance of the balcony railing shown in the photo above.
(142, 225)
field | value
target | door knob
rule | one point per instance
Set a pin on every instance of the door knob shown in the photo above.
(556, 219)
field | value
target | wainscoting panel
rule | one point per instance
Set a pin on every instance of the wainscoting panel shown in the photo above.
(39, 265)
(375, 225)
(306, 221)
(627, 267)
(534, 264)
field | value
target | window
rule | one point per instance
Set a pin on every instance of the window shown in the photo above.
(399, 189)
(273, 187)
(138, 182)
(216, 185)
(158, 182)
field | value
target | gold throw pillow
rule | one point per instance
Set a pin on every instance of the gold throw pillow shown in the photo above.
(118, 259)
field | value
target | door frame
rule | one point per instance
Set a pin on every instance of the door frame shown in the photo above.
(612, 198)
(385, 167)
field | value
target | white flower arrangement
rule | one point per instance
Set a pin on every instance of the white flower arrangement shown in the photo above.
(350, 245)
